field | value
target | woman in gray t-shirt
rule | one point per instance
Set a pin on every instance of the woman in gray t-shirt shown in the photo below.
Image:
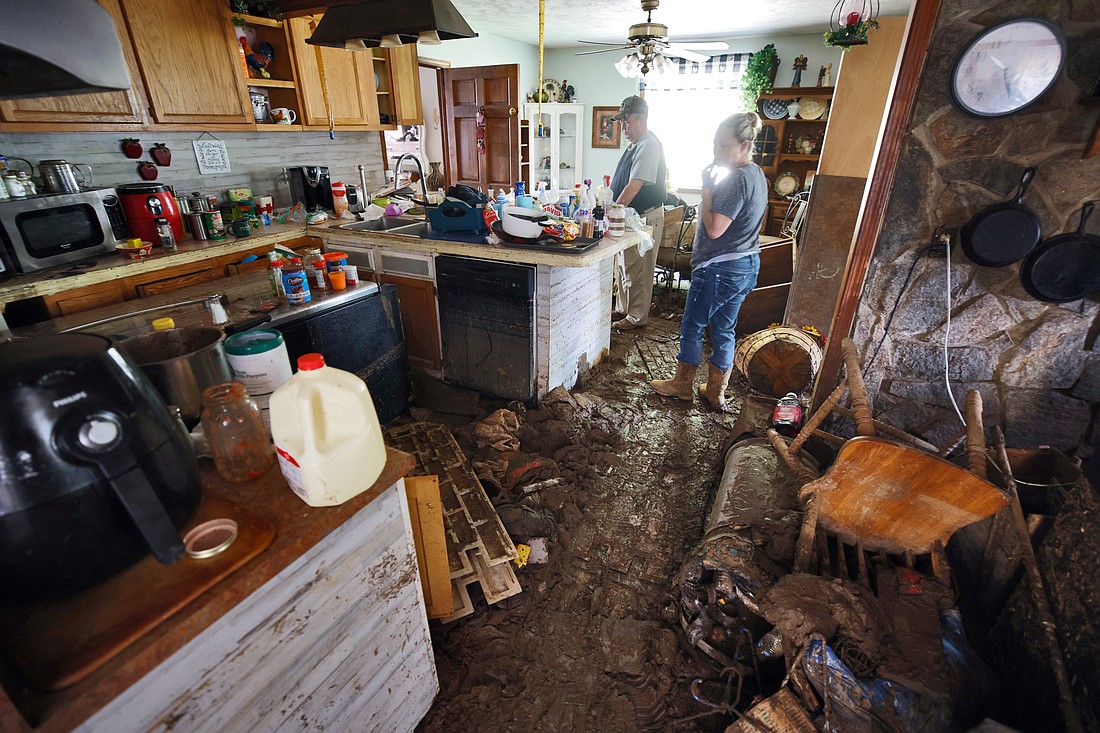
(724, 262)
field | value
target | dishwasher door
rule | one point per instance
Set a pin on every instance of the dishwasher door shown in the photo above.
(487, 325)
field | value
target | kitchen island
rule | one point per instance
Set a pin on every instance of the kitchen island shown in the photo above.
(570, 303)
(323, 629)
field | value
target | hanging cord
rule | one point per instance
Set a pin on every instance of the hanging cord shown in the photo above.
(324, 84)
(946, 338)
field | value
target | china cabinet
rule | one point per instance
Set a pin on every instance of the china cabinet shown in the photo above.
(556, 144)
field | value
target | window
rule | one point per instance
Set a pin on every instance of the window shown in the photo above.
(685, 107)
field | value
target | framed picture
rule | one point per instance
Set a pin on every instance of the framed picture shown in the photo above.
(605, 131)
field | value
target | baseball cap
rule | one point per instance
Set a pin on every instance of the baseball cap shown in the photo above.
(631, 106)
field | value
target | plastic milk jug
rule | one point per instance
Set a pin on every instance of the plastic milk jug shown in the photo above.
(326, 433)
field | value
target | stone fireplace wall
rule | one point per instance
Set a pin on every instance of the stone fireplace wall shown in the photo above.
(1037, 365)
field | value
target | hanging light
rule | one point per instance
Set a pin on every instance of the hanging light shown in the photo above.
(642, 60)
(428, 38)
(391, 40)
(355, 44)
(850, 21)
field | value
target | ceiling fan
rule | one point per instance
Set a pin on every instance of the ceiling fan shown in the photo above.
(649, 40)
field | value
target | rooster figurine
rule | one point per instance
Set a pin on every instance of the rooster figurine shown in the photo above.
(258, 59)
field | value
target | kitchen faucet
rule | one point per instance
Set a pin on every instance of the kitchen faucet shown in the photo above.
(419, 168)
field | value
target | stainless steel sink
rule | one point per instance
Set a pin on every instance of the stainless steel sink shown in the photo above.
(382, 224)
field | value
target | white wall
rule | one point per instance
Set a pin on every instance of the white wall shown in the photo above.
(489, 50)
(598, 83)
(432, 140)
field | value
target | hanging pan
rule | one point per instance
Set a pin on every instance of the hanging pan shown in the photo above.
(1066, 267)
(1003, 233)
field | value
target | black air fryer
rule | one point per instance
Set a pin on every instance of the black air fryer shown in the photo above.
(94, 471)
(310, 184)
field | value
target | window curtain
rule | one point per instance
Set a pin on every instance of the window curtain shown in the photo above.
(685, 107)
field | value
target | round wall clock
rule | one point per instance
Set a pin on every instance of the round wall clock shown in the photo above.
(1007, 67)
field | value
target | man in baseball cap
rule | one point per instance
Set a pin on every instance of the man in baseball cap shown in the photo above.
(639, 182)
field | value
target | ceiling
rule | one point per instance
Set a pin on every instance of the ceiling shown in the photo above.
(567, 21)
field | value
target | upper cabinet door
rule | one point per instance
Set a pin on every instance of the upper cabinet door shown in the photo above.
(187, 53)
(405, 72)
(122, 107)
(347, 78)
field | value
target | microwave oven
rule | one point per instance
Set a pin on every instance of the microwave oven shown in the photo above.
(55, 228)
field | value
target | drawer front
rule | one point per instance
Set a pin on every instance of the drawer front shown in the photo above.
(421, 267)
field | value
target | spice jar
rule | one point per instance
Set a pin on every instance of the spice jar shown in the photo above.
(235, 431)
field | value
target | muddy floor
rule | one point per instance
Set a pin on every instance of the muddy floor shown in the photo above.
(585, 646)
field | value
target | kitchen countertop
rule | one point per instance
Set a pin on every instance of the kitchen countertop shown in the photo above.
(298, 527)
(114, 267)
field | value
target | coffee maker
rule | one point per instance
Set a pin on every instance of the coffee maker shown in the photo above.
(310, 184)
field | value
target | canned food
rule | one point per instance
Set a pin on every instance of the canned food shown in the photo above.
(213, 224)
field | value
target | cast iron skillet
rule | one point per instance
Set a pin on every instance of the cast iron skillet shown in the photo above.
(1066, 267)
(1003, 233)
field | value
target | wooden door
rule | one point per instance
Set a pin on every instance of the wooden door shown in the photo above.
(121, 107)
(495, 91)
(349, 78)
(187, 53)
(405, 73)
(419, 320)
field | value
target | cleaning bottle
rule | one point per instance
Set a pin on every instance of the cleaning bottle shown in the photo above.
(326, 433)
(604, 195)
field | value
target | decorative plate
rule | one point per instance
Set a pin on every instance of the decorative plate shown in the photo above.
(786, 184)
(811, 108)
(552, 89)
(774, 109)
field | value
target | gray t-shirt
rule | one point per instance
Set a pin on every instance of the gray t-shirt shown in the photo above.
(743, 197)
(644, 160)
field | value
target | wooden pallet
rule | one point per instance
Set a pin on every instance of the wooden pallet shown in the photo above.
(478, 547)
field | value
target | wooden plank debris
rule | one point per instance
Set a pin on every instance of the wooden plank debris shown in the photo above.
(430, 538)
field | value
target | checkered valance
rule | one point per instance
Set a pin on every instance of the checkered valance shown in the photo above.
(718, 72)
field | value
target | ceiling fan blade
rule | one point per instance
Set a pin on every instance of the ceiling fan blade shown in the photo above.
(603, 43)
(702, 45)
(683, 53)
(602, 50)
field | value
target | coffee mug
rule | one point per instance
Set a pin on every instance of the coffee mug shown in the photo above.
(283, 116)
(259, 106)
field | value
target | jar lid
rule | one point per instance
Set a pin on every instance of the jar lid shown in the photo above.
(334, 256)
(310, 362)
(210, 538)
(256, 341)
(163, 324)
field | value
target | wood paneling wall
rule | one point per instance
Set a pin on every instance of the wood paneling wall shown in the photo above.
(257, 159)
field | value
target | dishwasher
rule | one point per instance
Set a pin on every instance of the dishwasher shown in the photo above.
(487, 325)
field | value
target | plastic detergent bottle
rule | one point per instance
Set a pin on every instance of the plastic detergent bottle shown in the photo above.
(326, 433)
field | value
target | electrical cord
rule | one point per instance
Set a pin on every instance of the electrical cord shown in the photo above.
(946, 338)
(894, 310)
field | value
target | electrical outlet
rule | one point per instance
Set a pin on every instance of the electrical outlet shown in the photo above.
(941, 240)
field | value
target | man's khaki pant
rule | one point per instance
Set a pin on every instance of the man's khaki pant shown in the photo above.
(634, 281)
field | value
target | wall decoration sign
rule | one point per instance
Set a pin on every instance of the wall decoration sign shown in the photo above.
(211, 155)
(1007, 67)
(606, 133)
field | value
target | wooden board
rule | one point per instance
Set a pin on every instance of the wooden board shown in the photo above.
(426, 510)
(890, 497)
(57, 644)
(497, 583)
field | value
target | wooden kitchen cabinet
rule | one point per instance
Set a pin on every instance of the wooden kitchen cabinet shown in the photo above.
(348, 80)
(419, 320)
(85, 299)
(187, 53)
(173, 278)
(401, 67)
(116, 108)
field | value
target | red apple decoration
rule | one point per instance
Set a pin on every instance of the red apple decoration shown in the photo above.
(131, 147)
(147, 171)
(161, 154)
(852, 20)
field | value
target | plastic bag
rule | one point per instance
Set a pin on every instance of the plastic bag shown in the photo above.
(636, 223)
(296, 213)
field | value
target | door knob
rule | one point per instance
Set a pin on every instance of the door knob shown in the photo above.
(511, 111)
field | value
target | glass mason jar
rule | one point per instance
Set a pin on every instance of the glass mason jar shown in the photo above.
(235, 432)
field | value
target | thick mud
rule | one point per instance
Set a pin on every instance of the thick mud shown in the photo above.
(623, 478)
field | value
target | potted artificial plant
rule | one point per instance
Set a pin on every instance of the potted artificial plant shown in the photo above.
(759, 76)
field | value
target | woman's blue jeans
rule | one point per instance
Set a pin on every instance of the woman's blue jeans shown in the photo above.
(714, 298)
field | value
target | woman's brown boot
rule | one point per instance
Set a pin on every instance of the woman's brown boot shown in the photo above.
(679, 386)
(713, 391)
